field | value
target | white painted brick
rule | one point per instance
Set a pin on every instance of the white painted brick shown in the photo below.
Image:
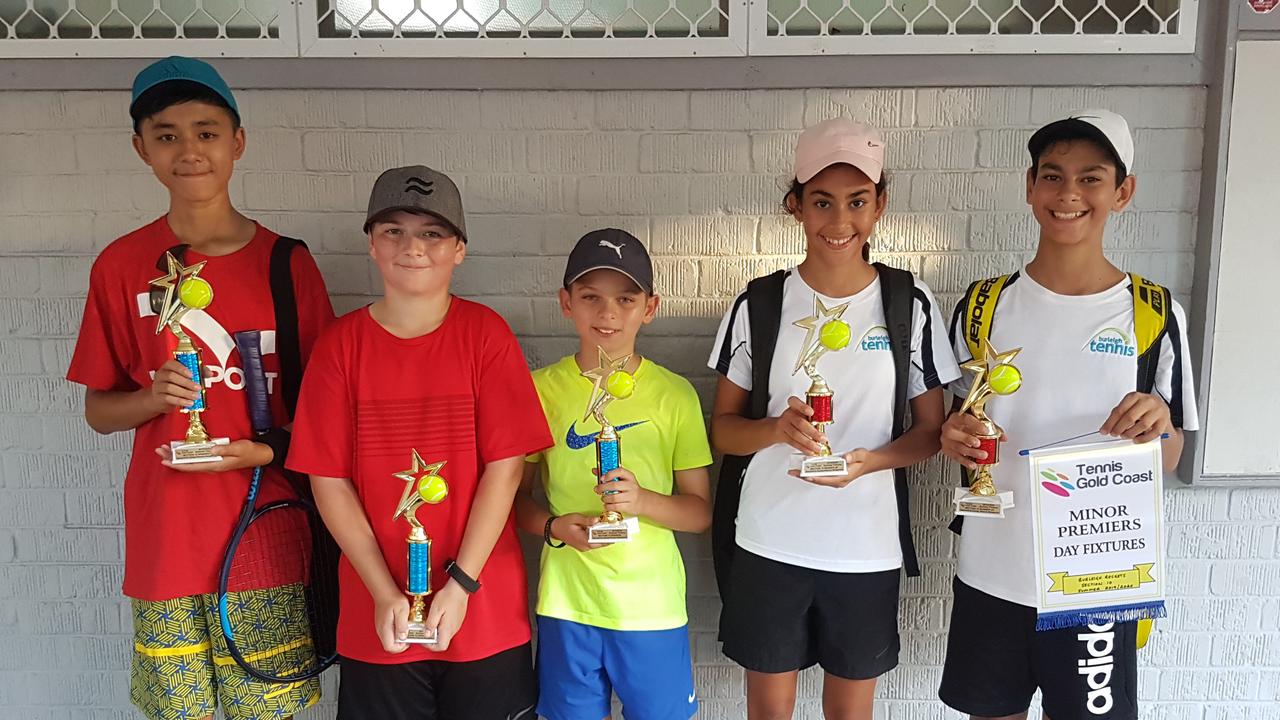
(521, 194)
(270, 149)
(639, 195)
(1004, 231)
(1005, 149)
(55, 193)
(66, 545)
(1167, 191)
(94, 509)
(972, 107)
(703, 235)
(57, 153)
(953, 273)
(484, 276)
(736, 194)
(64, 276)
(29, 317)
(504, 235)
(890, 108)
(347, 274)
(695, 152)
(51, 110)
(967, 191)
(726, 277)
(20, 356)
(323, 232)
(1174, 270)
(660, 110)
(570, 153)
(1191, 505)
(296, 191)
(300, 109)
(536, 110)
(19, 277)
(1141, 107)
(1221, 541)
(744, 110)
(110, 151)
(456, 153)
(676, 277)
(919, 232)
(562, 232)
(347, 151)
(419, 110)
(1167, 150)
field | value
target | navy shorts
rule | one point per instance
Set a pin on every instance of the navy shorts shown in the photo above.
(580, 666)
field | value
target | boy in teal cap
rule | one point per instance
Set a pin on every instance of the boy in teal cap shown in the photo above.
(179, 518)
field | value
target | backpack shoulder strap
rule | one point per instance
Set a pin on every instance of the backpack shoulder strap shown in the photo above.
(288, 344)
(897, 294)
(764, 305)
(1151, 304)
(980, 307)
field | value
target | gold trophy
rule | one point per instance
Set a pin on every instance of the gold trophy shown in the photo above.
(184, 291)
(612, 382)
(423, 485)
(994, 374)
(826, 333)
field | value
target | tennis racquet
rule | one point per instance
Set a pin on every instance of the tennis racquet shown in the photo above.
(282, 546)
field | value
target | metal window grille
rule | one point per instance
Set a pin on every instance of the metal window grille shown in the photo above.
(590, 28)
(546, 28)
(147, 28)
(802, 27)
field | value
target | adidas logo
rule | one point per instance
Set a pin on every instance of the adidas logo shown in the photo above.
(1096, 669)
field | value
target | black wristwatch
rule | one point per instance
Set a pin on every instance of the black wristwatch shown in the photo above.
(546, 534)
(468, 583)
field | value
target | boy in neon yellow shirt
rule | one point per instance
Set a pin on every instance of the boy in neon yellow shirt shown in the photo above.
(612, 618)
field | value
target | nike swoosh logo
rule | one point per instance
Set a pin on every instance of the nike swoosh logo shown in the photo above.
(692, 697)
(578, 442)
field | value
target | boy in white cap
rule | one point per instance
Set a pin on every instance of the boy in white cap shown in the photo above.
(809, 568)
(1073, 314)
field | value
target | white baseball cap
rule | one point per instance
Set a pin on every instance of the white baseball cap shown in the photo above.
(839, 140)
(1104, 127)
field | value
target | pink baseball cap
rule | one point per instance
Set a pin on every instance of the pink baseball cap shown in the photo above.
(839, 140)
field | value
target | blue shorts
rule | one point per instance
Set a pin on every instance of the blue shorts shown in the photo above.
(580, 666)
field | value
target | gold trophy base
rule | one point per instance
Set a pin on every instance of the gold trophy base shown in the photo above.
(417, 632)
(610, 527)
(967, 503)
(187, 453)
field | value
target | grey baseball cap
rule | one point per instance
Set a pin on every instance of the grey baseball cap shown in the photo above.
(610, 249)
(417, 188)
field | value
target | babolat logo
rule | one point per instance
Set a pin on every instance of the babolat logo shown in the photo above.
(877, 338)
(1097, 666)
(981, 296)
(1112, 341)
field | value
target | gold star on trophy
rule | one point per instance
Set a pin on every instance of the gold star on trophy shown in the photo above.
(600, 394)
(423, 484)
(994, 374)
(813, 348)
(184, 290)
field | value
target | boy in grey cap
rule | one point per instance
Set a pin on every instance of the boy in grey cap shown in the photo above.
(417, 387)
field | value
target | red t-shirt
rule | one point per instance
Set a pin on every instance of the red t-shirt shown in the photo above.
(177, 524)
(460, 394)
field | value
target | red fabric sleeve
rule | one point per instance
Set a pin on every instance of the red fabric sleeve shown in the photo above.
(323, 431)
(508, 413)
(97, 362)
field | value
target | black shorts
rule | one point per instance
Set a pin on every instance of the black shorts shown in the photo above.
(996, 660)
(780, 617)
(499, 687)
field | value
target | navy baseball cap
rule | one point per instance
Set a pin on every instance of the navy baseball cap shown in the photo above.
(610, 249)
(176, 67)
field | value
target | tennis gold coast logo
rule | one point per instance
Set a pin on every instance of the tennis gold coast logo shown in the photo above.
(1112, 341)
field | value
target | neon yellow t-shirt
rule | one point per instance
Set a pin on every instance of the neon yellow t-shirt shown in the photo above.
(636, 585)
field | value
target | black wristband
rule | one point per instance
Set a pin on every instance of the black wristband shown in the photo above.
(278, 440)
(468, 583)
(546, 534)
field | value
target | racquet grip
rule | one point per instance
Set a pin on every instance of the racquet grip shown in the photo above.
(249, 343)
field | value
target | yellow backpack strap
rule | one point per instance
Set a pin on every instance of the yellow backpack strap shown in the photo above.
(1150, 316)
(980, 307)
(1151, 304)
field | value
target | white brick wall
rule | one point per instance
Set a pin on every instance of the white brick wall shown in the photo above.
(698, 176)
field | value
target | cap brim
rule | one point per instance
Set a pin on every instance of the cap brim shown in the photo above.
(1072, 127)
(381, 215)
(869, 166)
(569, 280)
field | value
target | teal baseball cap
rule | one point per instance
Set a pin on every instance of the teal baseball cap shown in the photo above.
(176, 67)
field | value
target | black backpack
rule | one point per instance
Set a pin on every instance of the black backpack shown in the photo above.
(764, 295)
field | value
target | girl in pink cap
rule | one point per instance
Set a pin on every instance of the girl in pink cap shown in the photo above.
(809, 555)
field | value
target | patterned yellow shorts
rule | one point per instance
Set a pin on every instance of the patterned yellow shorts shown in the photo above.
(182, 670)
